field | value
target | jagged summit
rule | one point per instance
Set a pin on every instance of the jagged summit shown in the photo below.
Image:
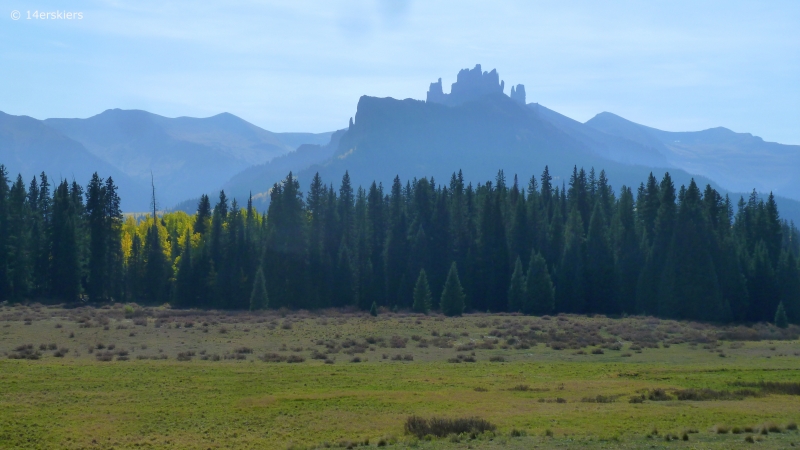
(471, 85)
(518, 94)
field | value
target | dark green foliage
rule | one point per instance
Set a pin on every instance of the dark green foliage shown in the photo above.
(781, 321)
(259, 298)
(539, 292)
(452, 302)
(517, 291)
(422, 294)
(679, 253)
(373, 310)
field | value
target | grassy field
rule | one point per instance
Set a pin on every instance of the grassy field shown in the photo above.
(130, 377)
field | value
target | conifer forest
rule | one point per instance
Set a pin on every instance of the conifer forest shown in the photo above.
(535, 247)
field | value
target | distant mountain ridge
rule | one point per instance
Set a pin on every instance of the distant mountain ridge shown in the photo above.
(186, 156)
(29, 147)
(475, 127)
(737, 161)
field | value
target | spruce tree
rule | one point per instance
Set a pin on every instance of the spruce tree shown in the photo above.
(517, 289)
(452, 301)
(5, 283)
(422, 294)
(689, 285)
(781, 321)
(184, 278)
(373, 310)
(98, 236)
(258, 298)
(601, 277)
(788, 275)
(65, 278)
(571, 276)
(539, 292)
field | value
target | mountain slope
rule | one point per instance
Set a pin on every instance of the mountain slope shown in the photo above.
(186, 156)
(411, 138)
(737, 161)
(259, 179)
(28, 146)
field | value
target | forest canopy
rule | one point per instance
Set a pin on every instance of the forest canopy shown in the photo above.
(675, 252)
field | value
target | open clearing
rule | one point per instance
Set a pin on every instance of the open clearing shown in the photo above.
(130, 377)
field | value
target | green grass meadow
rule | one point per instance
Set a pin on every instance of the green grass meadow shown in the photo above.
(539, 394)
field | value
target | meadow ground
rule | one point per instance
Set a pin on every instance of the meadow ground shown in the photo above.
(128, 377)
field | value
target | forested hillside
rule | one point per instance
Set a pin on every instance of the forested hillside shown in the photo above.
(533, 247)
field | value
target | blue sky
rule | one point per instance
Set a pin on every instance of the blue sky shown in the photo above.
(301, 66)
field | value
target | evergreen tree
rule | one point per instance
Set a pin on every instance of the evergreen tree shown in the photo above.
(571, 296)
(762, 285)
(539, 292)
(601, 278)
(788, 277)
(5, 283)
(65, 269)
(452, 301)
(98, 233)
(517, 289)
(689, 287)
(184, 278)
(647, 290)
(781, 321)
(422, 294)
(627, 253)
(203, 217)
(373, 310)
(18, 241)
(258, 298)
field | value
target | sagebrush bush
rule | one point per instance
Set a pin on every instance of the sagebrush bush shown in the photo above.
(442, 427)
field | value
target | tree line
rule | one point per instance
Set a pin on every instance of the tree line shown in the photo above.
(682, 253)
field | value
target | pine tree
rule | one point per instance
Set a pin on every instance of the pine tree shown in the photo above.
(781, 321)
(571, 296)
(788, 275)
(98, 246)
(689, 286)
(452, 301)
(373, 310)
(65, 264)
(184, 278)
(5, 283)
(258, 298)
(517, 289)
(539, 292)
(601, 277)
(422, 294)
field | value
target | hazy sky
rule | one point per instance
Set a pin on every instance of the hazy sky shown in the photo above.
(301, 66)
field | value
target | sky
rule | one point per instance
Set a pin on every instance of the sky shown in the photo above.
(302, 66)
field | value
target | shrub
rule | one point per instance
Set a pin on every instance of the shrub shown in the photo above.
(771, 387)
(272, 357)
(658, 395)
(441, 427)
(185, 356)
(295, 359)
(599, 399)
(397, 342)
(721, 429)
(497, 359)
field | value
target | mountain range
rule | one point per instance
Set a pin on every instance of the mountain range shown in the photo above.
(185, 156)
(475, 128)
